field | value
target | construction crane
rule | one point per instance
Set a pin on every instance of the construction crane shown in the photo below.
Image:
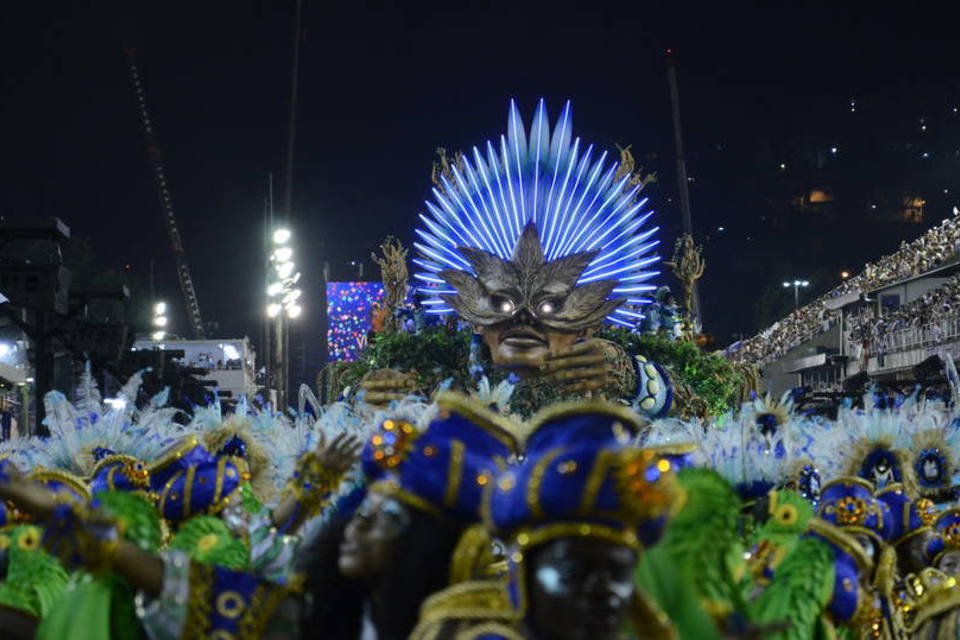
(166, 202)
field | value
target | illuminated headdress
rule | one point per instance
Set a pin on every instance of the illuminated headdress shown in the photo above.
(538, 215)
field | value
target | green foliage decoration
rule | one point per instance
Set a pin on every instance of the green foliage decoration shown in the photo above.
(710, 376)
(706, 380)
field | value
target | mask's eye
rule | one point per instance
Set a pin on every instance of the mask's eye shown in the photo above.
(547, 308)
(503, 304)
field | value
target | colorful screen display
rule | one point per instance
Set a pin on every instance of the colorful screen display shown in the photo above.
(350, 307)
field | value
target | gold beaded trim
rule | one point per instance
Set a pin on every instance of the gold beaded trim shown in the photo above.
(634, 422)
(178, 450)
(500, 427)
(533, 537)
(392, 489)
(42, 474)
(454, 473)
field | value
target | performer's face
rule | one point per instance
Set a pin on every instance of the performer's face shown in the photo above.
(912, 555)
(523, 343)
(580, 589)
(369, 538)
(950, 563)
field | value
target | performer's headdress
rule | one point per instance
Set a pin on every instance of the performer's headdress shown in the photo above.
(910, 517)
(848, 507)
(581, 478)
(563, 231)
(445, 468)
(947, 527)
(871, 444)
(849, 503)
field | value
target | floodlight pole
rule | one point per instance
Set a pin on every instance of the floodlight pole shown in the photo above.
(282, 330)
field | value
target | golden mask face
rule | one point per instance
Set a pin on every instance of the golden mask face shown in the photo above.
(530, 289)
(526, 307)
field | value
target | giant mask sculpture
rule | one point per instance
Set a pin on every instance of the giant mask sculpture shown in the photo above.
(527, 307)
(536, 241)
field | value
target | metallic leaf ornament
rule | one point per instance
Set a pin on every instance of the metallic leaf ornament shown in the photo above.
(539, 225)
(547, 291)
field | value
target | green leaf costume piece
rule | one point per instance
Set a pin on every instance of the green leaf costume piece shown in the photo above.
(34, 579)
(800, 592)
(101, 607)
(208, 539)
(692, 573)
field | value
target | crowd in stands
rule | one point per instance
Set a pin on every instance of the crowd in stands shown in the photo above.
(925, 317)
(933, 249)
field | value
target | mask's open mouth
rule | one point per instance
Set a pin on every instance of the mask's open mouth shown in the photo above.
(524, 337)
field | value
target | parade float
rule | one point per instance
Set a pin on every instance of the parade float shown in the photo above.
(540, 450)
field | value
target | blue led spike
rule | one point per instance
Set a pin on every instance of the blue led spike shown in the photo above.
(426, 278)
(458, 222)
(475, 187)
(618, 258)
(617, 320)
(577, 217)
(509, 180)
(439, 258)
(591, 225)
(634, 289)
(429, 266)
(489, 244)
(549, 229)
(539, 144)
(564, 224)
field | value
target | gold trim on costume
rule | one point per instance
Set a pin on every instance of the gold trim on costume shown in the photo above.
(197, 620)
(673, 449)
(494, 629)
(43, 474)
(230, 604)
(649, 620)
(536, 480)
(188, 489)
(166, 490)
(176, 452)
(598, 473)
(929, 594)
(454, 473)
(536, 536)
(635, 423)
(844, 540)
(507, 431)
(392, 489)
(218, 484)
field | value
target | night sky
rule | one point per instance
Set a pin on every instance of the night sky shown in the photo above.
(383, 86)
